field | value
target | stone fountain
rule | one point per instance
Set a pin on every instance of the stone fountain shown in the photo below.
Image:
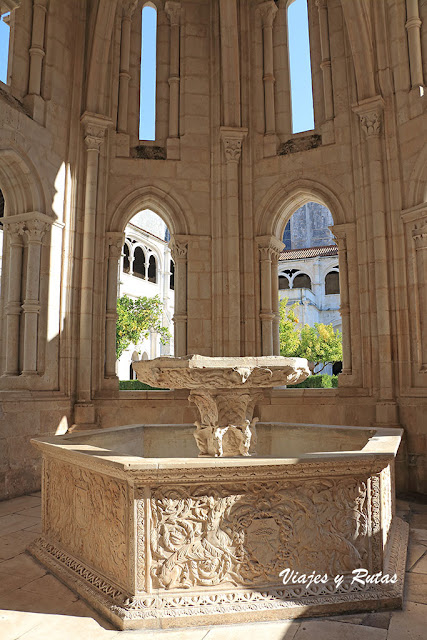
(225, 392)
(162, 526)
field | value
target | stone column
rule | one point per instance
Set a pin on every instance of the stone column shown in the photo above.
(34, 231)
(15, 232)
(344, 300)
(33, 100)
(325, 65)
(37, 51)
(94, 132)
(275, 300)
(232, 139)
(173, 11)
(413, 28)
(267, 11)
(419, 235)
(124, 75)
(371, 116)
(115, 243)
(269, 249)
(179, 250)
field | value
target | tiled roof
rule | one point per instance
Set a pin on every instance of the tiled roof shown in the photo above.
(311, 252)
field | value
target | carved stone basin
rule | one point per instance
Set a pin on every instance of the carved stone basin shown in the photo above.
(225, 392)
(153, 536)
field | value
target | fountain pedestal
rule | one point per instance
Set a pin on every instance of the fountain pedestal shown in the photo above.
(225, 392)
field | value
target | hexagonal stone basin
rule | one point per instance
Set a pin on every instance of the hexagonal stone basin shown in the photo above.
(154, 536)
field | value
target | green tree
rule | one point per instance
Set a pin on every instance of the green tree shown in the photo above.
(289, 335)
(320, 344)
(136, 318)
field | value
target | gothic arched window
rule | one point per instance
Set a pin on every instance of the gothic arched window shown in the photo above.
(147, 104)
(126, 261)
(301, 281)
(152, 269)
(300, 67)
(4, 46)
(139, 263)
(332, 282)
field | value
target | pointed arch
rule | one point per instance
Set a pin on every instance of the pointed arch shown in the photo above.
(281, 202)
(20, 183)
(159, 200)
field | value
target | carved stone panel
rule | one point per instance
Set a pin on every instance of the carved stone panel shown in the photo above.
(246, 535)
(86, 515)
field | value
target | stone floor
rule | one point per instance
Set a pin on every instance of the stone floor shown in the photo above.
(36, 606)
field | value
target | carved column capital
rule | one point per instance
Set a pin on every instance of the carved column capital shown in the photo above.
(173, 12)
(370, 113)
(340, 237)
(269, 247)
(94, 126)
(129, 8)
(178, 249)
(419, 234)
(232, 138)
(321, 4)
(115, 242)
(267, 10)
(35, 230)
(15, 231)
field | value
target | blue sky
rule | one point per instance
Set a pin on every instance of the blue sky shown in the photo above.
(299, 54)
(300, 68)
(148, 75)
(4, 48)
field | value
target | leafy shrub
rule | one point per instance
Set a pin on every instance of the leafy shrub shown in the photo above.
(320, 381)
(136, 385)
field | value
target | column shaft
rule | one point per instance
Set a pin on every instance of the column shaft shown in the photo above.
(31, 304)
(413, 28)
(114, 248)
(37, 52)
(179, 256)
(275, 303)
(326, 59)
(13, 304)
(124, 76)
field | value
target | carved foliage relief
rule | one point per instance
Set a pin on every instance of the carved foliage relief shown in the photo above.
(245, 535)
(86, 515)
